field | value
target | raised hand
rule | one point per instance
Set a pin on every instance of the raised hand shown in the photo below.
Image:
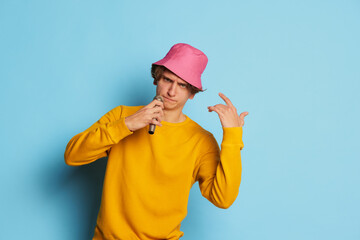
(228, 114)
(151, 113)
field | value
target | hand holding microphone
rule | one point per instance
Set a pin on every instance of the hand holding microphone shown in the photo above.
(151, 114)
(152, 126)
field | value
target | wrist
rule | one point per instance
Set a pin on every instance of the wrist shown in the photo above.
(128, 124)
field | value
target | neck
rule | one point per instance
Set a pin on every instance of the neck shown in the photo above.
(173, 116)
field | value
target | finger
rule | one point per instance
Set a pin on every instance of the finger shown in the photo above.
(216, 109)
(221, 107)
(243, 115)
(156, 109)
(218, 106)
(154, 112)
(158, 116)
(159, 103)
(226, 99)
(155, 103)
(156, 122)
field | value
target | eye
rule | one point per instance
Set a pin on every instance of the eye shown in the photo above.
(182, 85)
(167, 80)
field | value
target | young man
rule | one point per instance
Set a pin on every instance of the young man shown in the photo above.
(149, 177)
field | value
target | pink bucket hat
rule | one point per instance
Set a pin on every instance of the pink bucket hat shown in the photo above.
(186, 62)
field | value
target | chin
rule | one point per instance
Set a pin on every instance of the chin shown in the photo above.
(170, 106)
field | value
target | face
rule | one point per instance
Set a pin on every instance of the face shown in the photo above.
(174, 91)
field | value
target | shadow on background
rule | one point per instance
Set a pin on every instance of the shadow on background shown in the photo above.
(90, 178)
(77, 190)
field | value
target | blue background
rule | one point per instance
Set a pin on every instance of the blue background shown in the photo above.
(294, 65)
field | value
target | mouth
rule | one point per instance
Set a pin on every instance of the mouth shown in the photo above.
(168, 99)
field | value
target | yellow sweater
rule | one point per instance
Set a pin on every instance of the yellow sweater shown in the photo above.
(148, 177)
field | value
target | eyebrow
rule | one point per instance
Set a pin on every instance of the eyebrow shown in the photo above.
(185, 83)
(167, 78)
(179, 83)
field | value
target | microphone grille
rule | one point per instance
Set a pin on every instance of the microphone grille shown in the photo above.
(159, 98)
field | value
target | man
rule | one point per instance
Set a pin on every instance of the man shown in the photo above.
(149, 177)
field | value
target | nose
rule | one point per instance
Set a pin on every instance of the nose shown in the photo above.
(172, 90)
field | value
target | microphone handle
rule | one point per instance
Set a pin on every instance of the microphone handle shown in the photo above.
(152, 128)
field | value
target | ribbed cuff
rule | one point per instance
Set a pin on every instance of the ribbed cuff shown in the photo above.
(118, 130)
(233, 136)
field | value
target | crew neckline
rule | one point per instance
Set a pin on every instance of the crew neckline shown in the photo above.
(176, 124)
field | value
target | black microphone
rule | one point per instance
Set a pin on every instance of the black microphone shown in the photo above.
(152, 126)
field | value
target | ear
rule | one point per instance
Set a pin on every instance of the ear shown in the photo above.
(192, 96)
(155, 82)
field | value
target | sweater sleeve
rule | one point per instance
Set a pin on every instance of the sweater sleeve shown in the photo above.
(95, 142)
(219, 172)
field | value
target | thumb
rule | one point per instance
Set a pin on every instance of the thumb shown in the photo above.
(243, 115)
